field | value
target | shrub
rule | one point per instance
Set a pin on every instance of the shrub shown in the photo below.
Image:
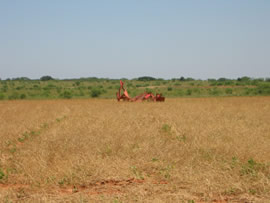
(189, 79)
(36, 87)
(196, 90)
(166, 128)
(248, 91)
(49, 86)
(214, 91)
(180, 92)
(253, 168)
(22, 96)
(164, 82)
(66, 95)
(129, 85)
(82, 87)
(81, 93)
(14, 95)
(228, 82)
(46, 93)
(2, 96)
(5, 88)
(189, 92)
(95, 93)
(20, 87)
(228, 90)
(58, 89)
(169, 88)
(263, 89)
(148, 90)
(255, 82)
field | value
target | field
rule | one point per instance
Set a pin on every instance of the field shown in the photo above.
(182, 150)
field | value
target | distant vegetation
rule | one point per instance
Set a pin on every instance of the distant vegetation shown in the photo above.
(45, 78)
(48, 87)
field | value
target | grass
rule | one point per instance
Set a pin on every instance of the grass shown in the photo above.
(183, 150)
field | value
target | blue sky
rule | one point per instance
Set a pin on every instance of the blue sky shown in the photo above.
(125, 38)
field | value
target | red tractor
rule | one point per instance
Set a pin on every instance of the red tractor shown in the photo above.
(146, 96)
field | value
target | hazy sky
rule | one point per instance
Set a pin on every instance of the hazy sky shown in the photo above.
(131, 38)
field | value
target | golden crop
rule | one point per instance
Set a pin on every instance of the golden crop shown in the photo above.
(201, 149)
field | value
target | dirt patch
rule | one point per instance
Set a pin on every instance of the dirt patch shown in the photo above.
(13, 186)
(100, 187)
(106, 186)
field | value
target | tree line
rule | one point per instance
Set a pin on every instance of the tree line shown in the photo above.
(146, 78)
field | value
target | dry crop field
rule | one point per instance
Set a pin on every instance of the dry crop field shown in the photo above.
(183, 150)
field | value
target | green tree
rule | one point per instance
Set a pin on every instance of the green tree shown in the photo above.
(46, 78)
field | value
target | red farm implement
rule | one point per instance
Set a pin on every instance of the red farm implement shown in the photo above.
(146, 96)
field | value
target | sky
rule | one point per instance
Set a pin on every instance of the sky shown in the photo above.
(133, 38)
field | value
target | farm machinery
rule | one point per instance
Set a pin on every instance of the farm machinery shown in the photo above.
(146, 96)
